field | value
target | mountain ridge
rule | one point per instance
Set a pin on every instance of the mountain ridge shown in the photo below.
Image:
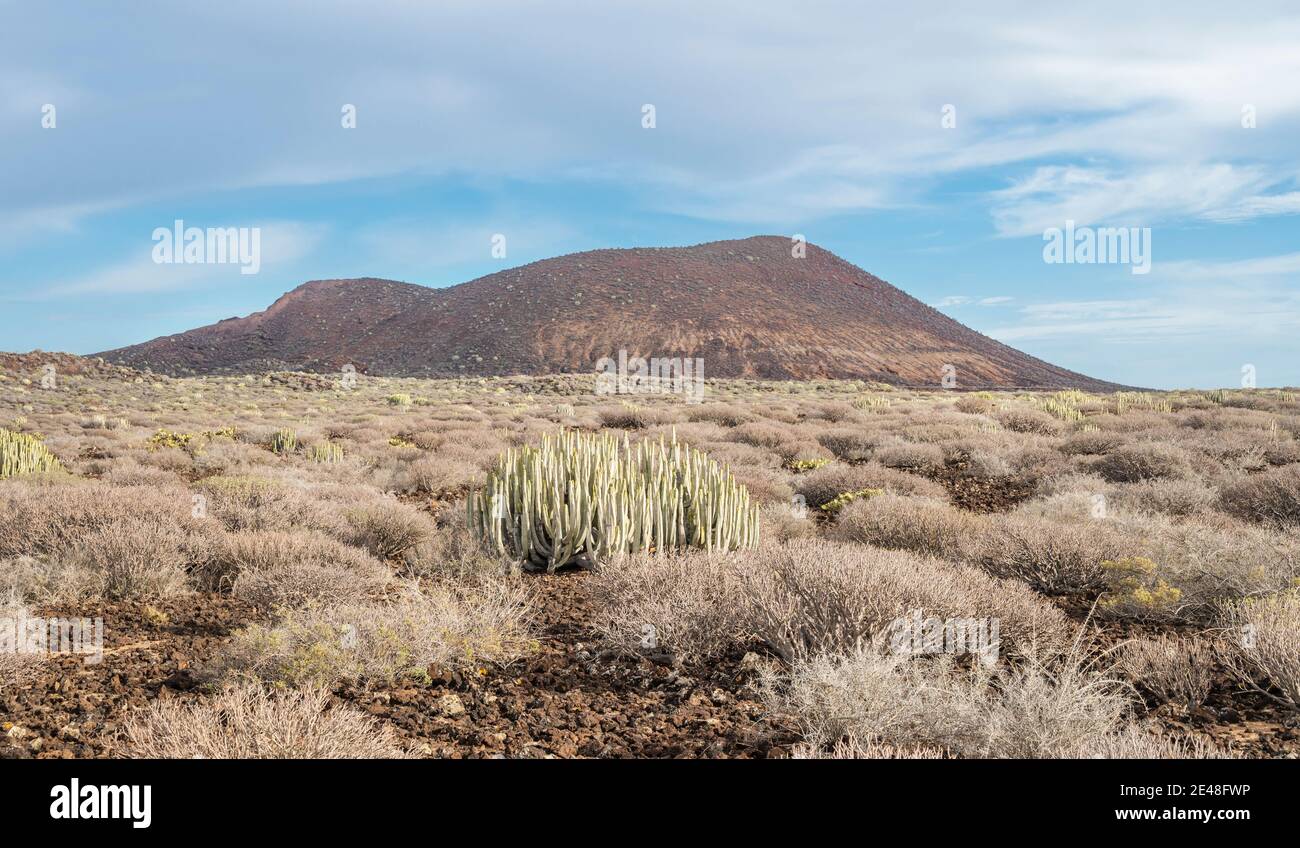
(747, 307)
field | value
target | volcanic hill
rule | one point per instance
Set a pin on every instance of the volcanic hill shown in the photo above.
(746, 307)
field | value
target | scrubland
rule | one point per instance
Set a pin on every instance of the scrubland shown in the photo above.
(284, 568)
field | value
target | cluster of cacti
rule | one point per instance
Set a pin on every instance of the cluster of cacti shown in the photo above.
(326, 451)
(24, 454)
(1126, 401)
(583, 498)
(399, 400)
(1063, 405)
(800, 465)
(284, 440)
(871, 403)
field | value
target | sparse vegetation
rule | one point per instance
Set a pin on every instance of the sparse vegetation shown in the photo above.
(320, 539)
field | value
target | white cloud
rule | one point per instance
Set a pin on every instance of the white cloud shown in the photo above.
(1248, 299)
(963, 300)
(1144, 197)
(819, 126)
(433, 244)
(281, 243)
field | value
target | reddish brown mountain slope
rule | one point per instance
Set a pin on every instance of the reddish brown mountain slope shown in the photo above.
(746, 307)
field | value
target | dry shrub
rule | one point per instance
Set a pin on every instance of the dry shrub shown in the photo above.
(1056, 708)
(41, 518)
(278, 568)
(133, 558)
(1066, 507)
(630, 417)
(1177, 498)
(432, 475)
(900, 482)
(1035, 462)
(974, 404)
(856, 749)
(763, 434)
(427, 439)
(801, 598)
(388, 528)
(725, 414)
(825, 483)
(736, 455)
(1092, 443)
(1209, 565)
(132, 473)
(258, 503)
(1173, 669)
(922, 525)
(91, 540)
(1140, 461)
(833, 411)
(451, 552)
(816, 597)
(1264, 650)
(782, 522)
(250, 723)
(911, 456)
(686, 604)
(384, 642)
(1135, 742)
(1054, 558)
(850, 445)
(1028, 421)
(1272, 496)
(984, 464)
(765, 485)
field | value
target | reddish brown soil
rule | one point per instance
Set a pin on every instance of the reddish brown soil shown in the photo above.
(577, 698)
(573, 697)
(983, 494)
(77, 709)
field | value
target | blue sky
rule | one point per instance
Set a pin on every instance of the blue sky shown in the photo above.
(825, 119)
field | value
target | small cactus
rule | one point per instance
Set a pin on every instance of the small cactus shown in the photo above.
(23, 454)
(326, 451)
(285, 440)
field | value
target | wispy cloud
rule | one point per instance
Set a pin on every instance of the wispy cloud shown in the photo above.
(1142, 197)
(282, 242)
(964, 300)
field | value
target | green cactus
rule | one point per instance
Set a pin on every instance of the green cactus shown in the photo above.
(285, 440)
(326, 451)
(23, 454)
(580, 498)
